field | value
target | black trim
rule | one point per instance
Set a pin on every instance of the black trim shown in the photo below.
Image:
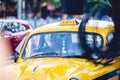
(96, 34)
(108, 75)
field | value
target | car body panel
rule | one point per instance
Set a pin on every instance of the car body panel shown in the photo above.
(64, 68)
(60, 68)
(15, 37)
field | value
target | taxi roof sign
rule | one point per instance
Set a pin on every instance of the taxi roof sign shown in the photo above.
(68, 23)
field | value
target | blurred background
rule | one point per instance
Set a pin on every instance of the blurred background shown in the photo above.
(39, 12)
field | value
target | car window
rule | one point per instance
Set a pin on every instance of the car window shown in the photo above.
(7, 28)
(22, 27)
(14, 27)
(53, 45)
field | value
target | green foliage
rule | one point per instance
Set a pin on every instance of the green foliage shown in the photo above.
(56, 3)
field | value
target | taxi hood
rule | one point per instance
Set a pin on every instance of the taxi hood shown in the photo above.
(55, 68)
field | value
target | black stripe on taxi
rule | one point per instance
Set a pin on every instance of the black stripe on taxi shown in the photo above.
(109, 75)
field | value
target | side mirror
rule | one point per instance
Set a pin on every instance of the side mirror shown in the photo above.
(16, 55)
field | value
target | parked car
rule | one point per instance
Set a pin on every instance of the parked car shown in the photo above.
(54, 52)
(14, 31)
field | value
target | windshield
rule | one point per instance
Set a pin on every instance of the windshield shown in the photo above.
(59, 44)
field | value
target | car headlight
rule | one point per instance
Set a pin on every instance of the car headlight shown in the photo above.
(94, 40)
(74, 78)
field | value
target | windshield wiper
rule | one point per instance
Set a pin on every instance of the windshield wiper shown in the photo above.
(48, 54)
(72, 56)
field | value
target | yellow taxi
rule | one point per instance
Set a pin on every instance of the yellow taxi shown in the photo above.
(54, 52)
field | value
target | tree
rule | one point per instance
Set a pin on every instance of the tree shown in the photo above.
(56, 3)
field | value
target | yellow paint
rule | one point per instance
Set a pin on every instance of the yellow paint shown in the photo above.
(114, 78)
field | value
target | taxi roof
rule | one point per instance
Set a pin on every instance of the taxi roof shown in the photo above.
(53, 27)
(56, 27)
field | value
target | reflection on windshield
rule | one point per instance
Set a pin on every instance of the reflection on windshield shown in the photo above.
(53, 45)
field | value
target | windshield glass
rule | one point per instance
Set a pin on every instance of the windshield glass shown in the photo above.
(59, 44)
